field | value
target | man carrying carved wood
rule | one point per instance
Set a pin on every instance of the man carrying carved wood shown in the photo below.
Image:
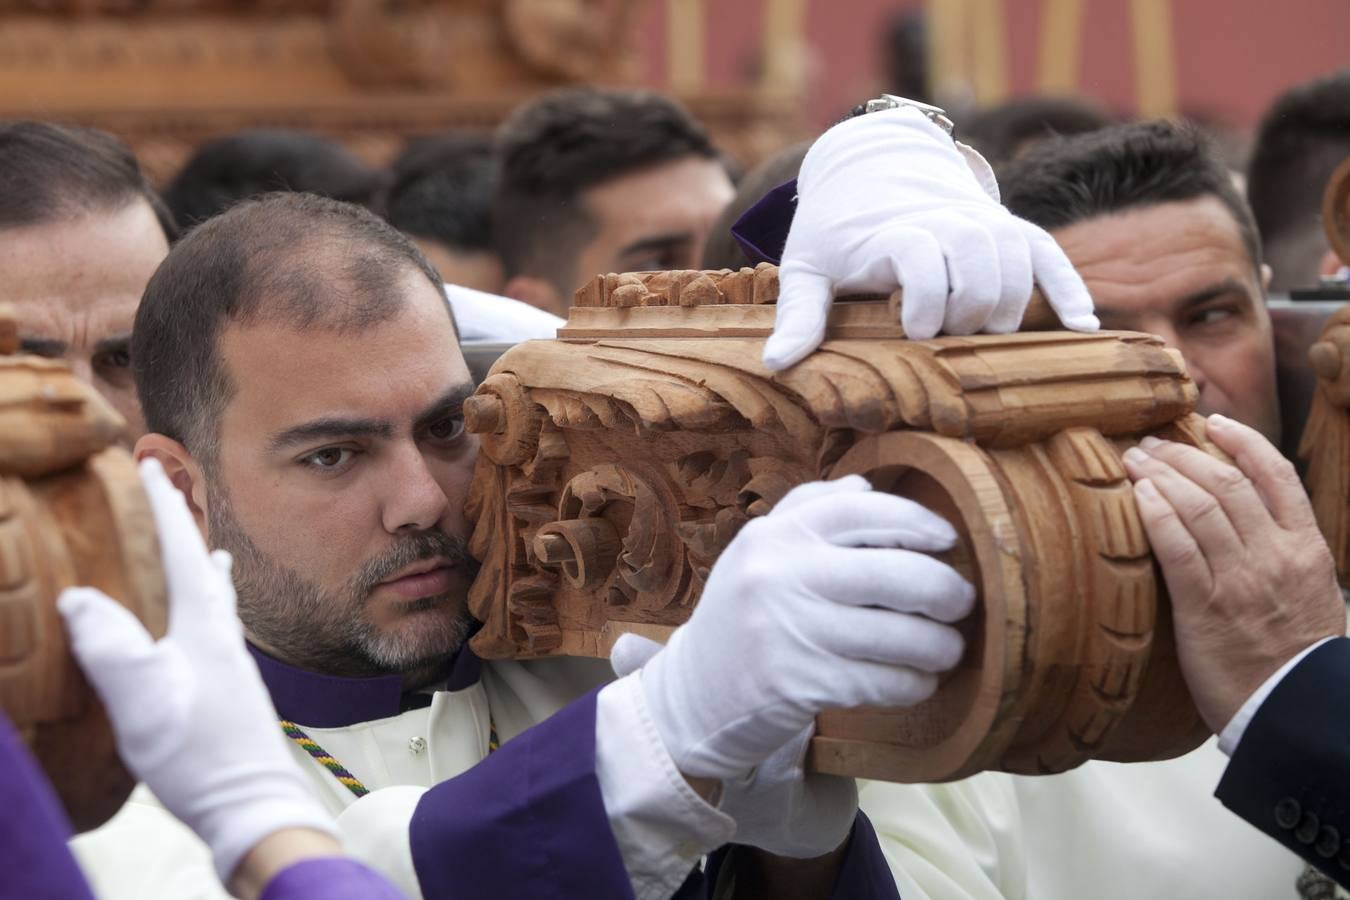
(298, 371)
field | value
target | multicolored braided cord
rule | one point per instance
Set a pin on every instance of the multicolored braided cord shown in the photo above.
(329, 762)
(310, 746)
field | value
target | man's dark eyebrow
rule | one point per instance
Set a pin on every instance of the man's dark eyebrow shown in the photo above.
(329, 429)
(115, 343)
(1227, 286)
(659, 242)
(447, 404)
(42, 346)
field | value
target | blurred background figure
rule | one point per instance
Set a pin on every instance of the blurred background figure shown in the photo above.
(1300, 141)
(440, 195)
(81, 232)
(1007, 130)
(242, 165)
(595, 181)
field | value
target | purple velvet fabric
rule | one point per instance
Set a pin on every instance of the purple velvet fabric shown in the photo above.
(333, 878)
(762, 229)
(34, 861)
(529, 821)
(331, 701)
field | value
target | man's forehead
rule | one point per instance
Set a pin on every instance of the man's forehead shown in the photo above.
(683, 189)
(1158, 256)
(281, 373)
(88, 263)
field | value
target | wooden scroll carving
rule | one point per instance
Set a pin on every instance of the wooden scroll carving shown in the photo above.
(71, 512)
(1326, 437)
(619, 460)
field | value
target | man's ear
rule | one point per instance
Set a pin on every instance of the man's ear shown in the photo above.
(1266, 273)
(536, 292)
(1331, 264)
(183, 470)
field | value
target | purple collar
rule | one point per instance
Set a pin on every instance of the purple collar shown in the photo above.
(332, 701)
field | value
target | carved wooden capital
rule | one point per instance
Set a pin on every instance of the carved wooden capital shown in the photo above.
(651, 424)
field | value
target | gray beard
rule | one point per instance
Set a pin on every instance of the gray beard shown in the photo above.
(331, 632)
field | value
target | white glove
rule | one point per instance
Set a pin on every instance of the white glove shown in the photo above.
(799, 615)
(777, 807)
(190, 713)
(887, 200)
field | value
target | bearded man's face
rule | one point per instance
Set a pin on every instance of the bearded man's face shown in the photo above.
(338, 481)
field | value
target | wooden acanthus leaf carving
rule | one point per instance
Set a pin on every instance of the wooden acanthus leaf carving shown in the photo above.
(667, 435)
(1325, 444)
(1326, 438)
(71, 513)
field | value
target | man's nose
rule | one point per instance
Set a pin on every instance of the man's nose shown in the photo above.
(414, 500)
(83, 368)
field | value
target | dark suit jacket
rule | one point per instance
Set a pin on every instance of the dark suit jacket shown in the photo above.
(1290, 775)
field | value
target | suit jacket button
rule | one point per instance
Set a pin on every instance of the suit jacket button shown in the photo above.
(1308, 829)
(1288, 813)
(1328, 842)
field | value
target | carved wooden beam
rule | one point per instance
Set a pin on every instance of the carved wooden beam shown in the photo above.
(71, 512)
(619, 460)
(1326, 437)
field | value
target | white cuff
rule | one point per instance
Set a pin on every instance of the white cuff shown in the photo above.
(1237, 726)
(662, 826)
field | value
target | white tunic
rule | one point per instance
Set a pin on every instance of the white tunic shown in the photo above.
(1104, 831)
(143, 852)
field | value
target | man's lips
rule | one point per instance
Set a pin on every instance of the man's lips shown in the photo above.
(424, 579)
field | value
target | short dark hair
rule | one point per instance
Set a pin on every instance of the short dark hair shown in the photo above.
(552, 149)
(50, 171)
(1005, 131)
(258, 161)
(1301, 140)
(1065, 180)
(441, 187)
(304, 260)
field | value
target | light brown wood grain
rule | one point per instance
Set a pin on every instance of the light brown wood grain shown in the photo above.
(72, 512)
(652, 422)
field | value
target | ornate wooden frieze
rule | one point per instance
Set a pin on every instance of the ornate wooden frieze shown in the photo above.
(619, 460)
(166, 75)
(71, 512)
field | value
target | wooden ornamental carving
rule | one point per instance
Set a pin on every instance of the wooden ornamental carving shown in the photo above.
(71, 513)
(619, 460)
(1326, 436)
(167, 75)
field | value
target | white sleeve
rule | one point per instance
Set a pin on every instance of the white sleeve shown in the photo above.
(374, 831)
(486, 317)
(143, 851)
(962, 840)
(1237, 726)
(661, 825)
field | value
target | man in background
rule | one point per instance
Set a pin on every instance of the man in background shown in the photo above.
(595, 181)
(256, 161)
(1301, 140)
(1152, 221)
(81, 232)
(440, 195)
